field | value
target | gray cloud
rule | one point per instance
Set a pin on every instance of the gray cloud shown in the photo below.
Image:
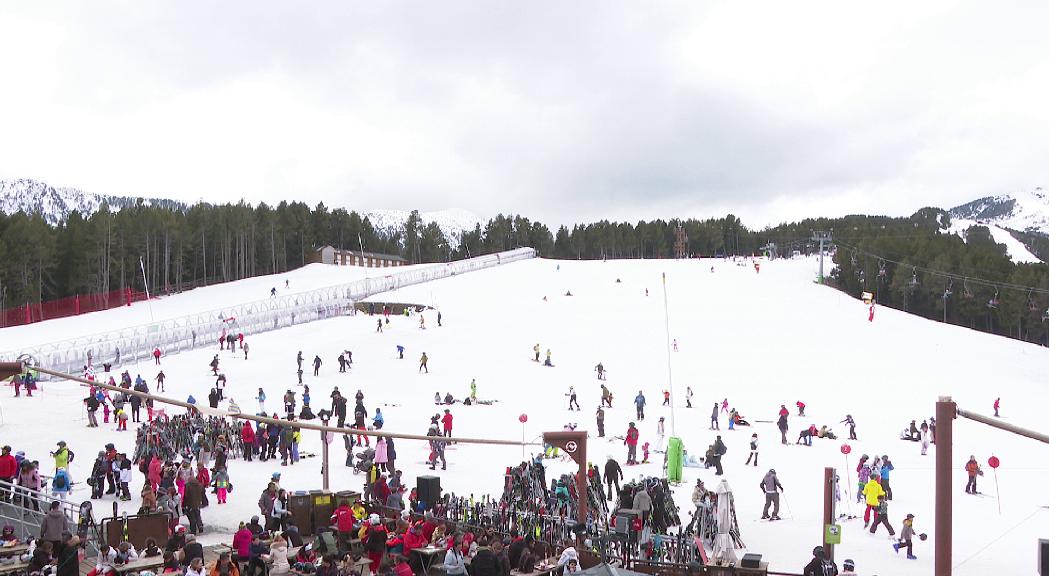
(563, 112)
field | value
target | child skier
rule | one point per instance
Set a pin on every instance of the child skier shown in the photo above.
(753, 450)
(644, 453)
(572, 399)
(906, 536)
(422, 363)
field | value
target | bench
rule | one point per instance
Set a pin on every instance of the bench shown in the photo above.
(13, 567)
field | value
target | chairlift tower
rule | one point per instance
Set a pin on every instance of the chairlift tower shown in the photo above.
(680, 243)
(822, 237)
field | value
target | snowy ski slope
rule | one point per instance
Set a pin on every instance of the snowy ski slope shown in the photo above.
(761, 340)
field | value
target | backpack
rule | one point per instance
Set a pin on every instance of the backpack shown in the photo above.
(61, 482)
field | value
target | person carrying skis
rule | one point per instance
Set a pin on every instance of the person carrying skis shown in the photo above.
(972, 468)
(753, 449)
(572, 399)
(906, 537)
(317, 365)
(852, 426)
(600, 422)
(714, 418)
(422, 363)
(639, 403)
(613, 474)
(632, 435)
(771, 487)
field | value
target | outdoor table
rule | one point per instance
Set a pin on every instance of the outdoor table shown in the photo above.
(139, 565)
(427, 555)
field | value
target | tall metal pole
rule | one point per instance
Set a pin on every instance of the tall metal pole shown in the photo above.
(670, 376)
(145, 283)
(945, 413)
(821, 237)
(325, 463)
(828, 510)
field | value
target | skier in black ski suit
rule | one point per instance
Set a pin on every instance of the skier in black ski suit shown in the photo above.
(613, 474)
(820, 566)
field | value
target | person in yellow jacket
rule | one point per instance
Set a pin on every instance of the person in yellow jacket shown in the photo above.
(358, 510)
(63, 456)
(871, 491)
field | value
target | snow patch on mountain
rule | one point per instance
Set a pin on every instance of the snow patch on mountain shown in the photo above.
(453, 222)
(56, 204)
(1027, 211)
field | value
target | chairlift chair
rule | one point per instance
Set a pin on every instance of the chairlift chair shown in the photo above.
(947, 291)
(914, 279)
(881, 268)
(966, 291)
(993, 302)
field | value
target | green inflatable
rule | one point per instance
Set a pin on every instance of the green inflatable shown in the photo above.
(675, 459)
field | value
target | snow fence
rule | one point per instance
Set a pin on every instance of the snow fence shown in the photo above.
(203, 330)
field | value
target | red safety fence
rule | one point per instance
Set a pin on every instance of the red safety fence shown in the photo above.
(69, 306)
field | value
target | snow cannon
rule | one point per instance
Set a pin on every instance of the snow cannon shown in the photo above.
(867, 298)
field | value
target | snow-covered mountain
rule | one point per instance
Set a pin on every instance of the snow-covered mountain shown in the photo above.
(1024, 211)
(56, 204)
(453, 222)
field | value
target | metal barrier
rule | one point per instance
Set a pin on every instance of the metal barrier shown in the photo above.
(24, 509)
(134, 344)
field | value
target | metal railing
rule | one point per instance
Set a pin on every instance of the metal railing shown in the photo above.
(136, 343)
(24, 509)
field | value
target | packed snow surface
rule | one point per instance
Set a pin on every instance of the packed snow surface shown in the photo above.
(759, 339)
(1016, 250)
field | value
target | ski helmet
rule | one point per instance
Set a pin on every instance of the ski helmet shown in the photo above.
(818, 551)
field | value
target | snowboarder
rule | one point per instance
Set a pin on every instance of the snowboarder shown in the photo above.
(600, 422)
(772, 488)
(422, 363)
(600, 368)
(400, 352)
(801, 407)
(852, 426)
(317, 365)
(714, 418)
(906, 536)
(630, 440)
(753, 450)
(572, 399)
(639, 403)
(972, 468)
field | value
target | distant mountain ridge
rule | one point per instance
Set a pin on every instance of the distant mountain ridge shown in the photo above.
(1023, 211)
(56, 204)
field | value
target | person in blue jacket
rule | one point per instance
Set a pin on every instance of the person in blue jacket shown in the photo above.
(639, 402)
(886, 468)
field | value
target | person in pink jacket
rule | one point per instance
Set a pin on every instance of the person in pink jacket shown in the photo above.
(381, 455)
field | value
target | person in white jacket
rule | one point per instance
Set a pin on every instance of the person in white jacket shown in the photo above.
(454, 563)
(196, 568)
(566, 555)
(278, 556)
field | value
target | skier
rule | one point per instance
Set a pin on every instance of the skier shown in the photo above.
(632, 435)
(925, 438)
(688, 397)
(666, 397)
(298, 359)
(422, 363)
(724, 405)
(160, 380)
(772, 488)
(639, 403)
(606, 396)
(886, 468)
(156, 358)
(473, 389)
(906, 536)
(262, 401)
(536, 350)
(600, 422)
(818, 566)
(871, 491)
(378, 325)
(613, 474)
(572, 399)
(972, 468)
(753, 449)
(714, 418)
(273, 292)
(317, 365)
(801, 407)
(997, 402)
(852, 426)
(881, 517)
(446, 421)
(600, 371)
(400, 352)
(719, 450)
(782, 425)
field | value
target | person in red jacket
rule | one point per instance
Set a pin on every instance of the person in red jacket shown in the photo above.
(631, 444)
(343, 520)
(247, 437)
(8, 470)
(156, 355)
(783, 410)
(374, 540)
(801, 407)
(414, 539)
(381, 490)
(447, 421)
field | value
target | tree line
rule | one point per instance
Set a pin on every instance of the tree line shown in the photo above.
(174, 247)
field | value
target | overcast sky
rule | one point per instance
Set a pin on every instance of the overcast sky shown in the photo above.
(562, 111)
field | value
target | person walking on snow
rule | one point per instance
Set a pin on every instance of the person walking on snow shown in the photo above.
(378, 326)
(317, 365)
(632, 435)
(871, 491)
(660, 432)
(422, 363)
(606, 396)
(156, 358)
(886, 468)
(771, 487)
(753, 449)
(997, 402)
(536, 350)
(881, 517)
(613, 474)
(925, 438)
(600, 371)
(801, 407)
(906, 537)
(688, 397)
(572, 401)
(639, 402)
(714, 418)
(852, 426)
(446, 421)
(782, 425)
(666, 397)
(724, 405)
(600, 422)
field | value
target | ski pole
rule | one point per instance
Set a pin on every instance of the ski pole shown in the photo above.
(787, 504)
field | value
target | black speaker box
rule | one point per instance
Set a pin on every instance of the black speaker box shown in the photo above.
(751, 561)
(428, 489)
